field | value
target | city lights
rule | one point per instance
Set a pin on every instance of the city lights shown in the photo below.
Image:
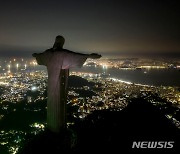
(25, 83)
(34, 88)
(9, 68)
(17, 66)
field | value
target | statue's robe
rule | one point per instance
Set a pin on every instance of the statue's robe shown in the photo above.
(58, 64)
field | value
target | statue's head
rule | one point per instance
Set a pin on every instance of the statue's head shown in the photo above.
(59, 42)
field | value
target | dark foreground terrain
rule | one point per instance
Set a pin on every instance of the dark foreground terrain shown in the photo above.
(108, 131)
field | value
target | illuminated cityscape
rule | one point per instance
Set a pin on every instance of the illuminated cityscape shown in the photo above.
(115, 84)
(23, 87)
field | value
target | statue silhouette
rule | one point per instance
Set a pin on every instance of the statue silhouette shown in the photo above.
(58, 62)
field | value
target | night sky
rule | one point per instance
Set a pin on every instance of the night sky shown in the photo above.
(109, 27)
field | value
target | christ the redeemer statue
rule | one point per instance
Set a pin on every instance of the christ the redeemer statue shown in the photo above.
(58, 62)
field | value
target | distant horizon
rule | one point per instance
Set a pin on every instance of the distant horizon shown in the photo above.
(112, 28)
(114, 55)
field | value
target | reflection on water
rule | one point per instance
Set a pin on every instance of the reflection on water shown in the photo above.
(157, 77)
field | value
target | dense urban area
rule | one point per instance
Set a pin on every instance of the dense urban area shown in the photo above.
(23, 95)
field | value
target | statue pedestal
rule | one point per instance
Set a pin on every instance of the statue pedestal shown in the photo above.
(56, 107)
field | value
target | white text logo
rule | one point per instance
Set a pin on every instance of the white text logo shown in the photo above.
(153, 144)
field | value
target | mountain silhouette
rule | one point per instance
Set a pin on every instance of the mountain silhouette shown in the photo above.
(111, 131)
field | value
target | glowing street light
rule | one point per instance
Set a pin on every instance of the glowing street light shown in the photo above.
(34, 63)
(9, 66)
(17, 65)
(34, 88)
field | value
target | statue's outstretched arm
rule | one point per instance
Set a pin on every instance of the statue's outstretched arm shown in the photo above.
(94, 56)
